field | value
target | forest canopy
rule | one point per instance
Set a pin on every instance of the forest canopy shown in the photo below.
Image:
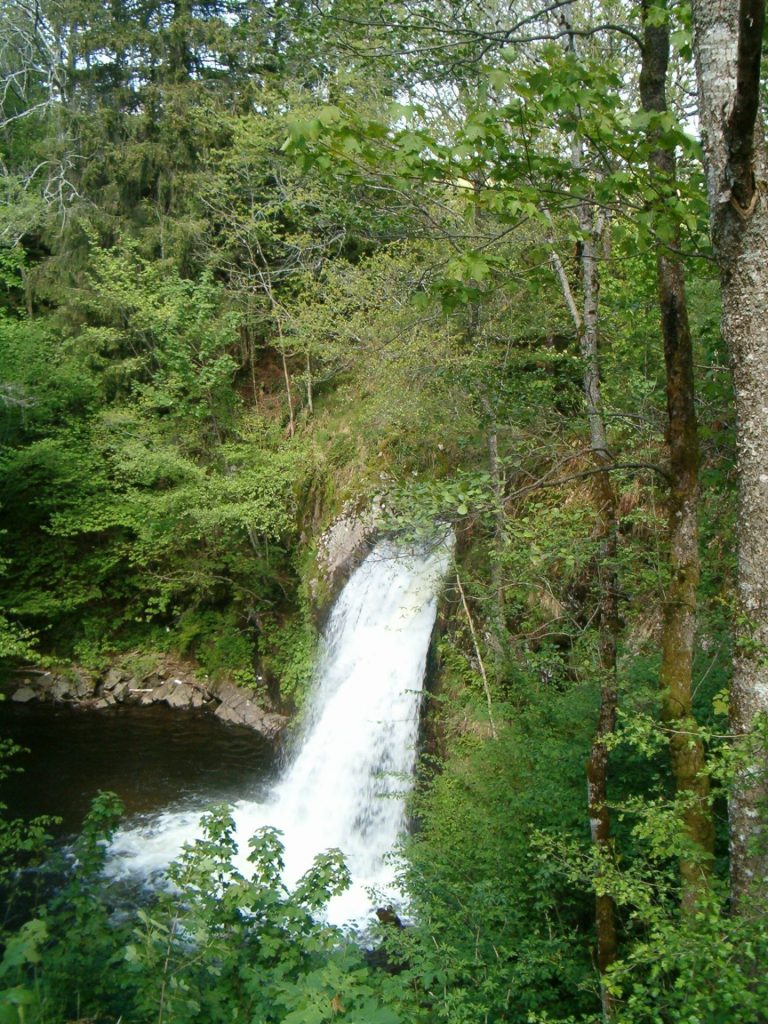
(501, 266)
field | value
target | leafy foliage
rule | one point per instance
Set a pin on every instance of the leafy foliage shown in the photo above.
(212, 945)
(256, 262)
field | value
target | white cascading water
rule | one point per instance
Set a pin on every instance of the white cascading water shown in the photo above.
(345, 786)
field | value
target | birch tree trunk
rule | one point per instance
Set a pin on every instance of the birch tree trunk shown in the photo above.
(686, 747)
(727, 44)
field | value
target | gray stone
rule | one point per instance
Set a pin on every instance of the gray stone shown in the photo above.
(342, 544)
(24, 694)
(134, 691)
(82, 686)
(120, 690)
(340, 549)
(227, 713)
(60, 688)
(162, 692)
(228, 693)
(180, 695)
(237, 707)
(114, 678)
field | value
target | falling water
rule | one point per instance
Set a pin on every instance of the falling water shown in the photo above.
(345, 786)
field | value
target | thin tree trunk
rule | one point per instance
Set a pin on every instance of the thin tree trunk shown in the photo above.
(591, 226)
(727, 45)
(288, 391)
(310, 399)
(266, 283)
(686, 748)
(498, 628)
(605, 502)
(497, 484)
(496, 475)
(480, 664)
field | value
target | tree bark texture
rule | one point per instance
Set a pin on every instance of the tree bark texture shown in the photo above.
(727, 37)
(605, 507)
(591, 228)
(676, 677)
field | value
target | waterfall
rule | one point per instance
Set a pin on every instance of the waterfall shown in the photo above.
(346, 783)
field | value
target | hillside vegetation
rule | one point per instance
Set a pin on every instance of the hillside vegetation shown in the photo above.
(264, 264)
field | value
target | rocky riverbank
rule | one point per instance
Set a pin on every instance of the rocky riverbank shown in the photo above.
(169, 684)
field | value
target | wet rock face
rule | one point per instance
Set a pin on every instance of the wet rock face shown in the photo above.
(340, 550)
(229, 702)
(342, 544)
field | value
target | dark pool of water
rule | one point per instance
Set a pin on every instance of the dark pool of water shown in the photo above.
(151, 757)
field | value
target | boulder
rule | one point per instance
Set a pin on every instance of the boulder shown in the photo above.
(134, 691)
(60, 688)
(181, 694)
(232, 703)
(45, 681)
(120, 690)
(75, 685)
(114, 678)
(24, 694)
(139, 694)
(82, 685)
(237, 707)
(160, 693)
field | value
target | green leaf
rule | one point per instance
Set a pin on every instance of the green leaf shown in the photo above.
(24, 947)
(499, 79)
(330, 115)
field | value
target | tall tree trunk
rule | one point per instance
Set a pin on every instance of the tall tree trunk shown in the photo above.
(591, 227)
(310, 397)
(495, 471)
(686, 748)
(496, 474)
(597, 763)
(727, 45)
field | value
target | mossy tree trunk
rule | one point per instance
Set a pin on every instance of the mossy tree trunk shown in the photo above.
(686, 747)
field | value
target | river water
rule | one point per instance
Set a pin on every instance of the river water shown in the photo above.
(151, 757)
